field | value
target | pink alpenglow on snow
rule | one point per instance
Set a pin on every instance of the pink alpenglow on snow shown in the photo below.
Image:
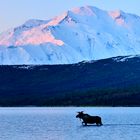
(117, 16)
(57, 20)
(36, 37)
(81, 34)
(87, 11)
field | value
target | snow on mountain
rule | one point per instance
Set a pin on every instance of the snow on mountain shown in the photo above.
(81, 34)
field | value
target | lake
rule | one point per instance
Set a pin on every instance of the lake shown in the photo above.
(60, 123)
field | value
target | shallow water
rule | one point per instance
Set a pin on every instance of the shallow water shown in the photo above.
(60, 124)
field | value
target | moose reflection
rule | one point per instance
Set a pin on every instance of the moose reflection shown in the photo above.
(87, 119)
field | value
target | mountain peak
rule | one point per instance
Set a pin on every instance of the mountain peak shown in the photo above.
(85, 10)
(81, 34)
(118, 16)
(115, 14)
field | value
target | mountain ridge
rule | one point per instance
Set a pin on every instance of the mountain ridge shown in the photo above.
(108, 82)
(81, 34)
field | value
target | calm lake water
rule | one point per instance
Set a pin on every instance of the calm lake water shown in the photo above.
(60, 124)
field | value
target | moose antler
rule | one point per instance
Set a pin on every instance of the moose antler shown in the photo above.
(80, 112)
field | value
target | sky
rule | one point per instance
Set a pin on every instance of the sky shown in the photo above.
(15, 12)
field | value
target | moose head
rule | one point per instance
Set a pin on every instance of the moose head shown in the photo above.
(80, 115)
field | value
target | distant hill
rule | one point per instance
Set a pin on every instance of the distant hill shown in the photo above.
(108, 82)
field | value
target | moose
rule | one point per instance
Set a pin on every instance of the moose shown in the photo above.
(87, 119)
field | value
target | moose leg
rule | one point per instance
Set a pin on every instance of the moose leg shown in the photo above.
(97, 124)
(85, 124)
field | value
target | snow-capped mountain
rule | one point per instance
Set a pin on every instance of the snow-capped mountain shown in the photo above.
(85, 33)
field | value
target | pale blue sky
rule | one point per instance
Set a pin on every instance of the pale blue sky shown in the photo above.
(16, 12)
